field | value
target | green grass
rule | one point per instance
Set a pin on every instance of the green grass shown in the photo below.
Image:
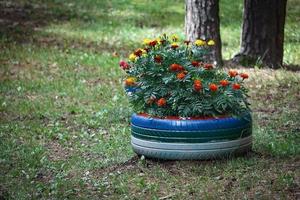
(64, 117)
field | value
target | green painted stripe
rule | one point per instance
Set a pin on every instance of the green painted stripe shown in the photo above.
(198, 139)
(245, 130)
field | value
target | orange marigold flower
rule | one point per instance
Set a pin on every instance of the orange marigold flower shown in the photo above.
(130, 81)
(176, 67)
(161, 102)
(224, 83)
(232, 73)
(208, 66)
(158, 58)
(236, 86)
(244, 75)
(213, 87)
(195, 63)
(181, 75)
(197, 85)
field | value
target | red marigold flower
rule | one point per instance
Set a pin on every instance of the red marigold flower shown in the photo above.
(213, 87)
(138, 52)
(153, 43)
(208, 66)
(236, 86)
(224, 83)
(244, 75)
(176, 67)
(232, 73)
(158, 58)
(161, 102)
(124, 65)
(181, 75)
(197, 85)
(195, 63)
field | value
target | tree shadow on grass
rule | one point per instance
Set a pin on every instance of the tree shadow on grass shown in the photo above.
(18, 21)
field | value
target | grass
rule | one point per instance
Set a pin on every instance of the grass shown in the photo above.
(64, 117)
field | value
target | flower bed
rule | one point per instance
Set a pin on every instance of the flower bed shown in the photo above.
(173, 80)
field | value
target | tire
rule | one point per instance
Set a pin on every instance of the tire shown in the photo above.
(190, 139)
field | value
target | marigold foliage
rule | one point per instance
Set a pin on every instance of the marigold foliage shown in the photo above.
(177, 80)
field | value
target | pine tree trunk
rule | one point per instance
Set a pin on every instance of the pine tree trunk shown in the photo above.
(263, 32)
(202, 22)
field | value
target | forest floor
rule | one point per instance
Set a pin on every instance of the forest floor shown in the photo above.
(64, 117)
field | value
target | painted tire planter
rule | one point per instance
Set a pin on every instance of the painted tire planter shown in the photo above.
(175, 139)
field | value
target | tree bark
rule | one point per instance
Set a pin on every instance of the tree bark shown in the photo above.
(202, 22)
(263, 32)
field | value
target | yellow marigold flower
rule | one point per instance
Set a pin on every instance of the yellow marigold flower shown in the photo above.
(146, 41)
(174, 37)
(132, 57)
(211, 43)
(200, 42)
(174, 45)
(130, 81)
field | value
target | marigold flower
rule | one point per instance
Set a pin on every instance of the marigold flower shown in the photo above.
(211, 43)
(224, 83)
(161, 102)
(213, 87)
(232, 73)
(132, 57)
(146, 41)
(130, 81)
(200, 42)
(153, 43)
(174, 45)
(157, 59)
(124, 65)
(195, 63)
(236, 86)
(244, 75)
(174, 37)
(176, 67)
(138, 52)
(197, 85)
(208, 66)
(181, 75)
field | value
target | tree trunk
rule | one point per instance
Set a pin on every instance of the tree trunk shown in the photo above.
(263, 32)
(202, 22)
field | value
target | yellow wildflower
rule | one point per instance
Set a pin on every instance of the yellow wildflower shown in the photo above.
(132, 57)
(211, 43)
(200, 42)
